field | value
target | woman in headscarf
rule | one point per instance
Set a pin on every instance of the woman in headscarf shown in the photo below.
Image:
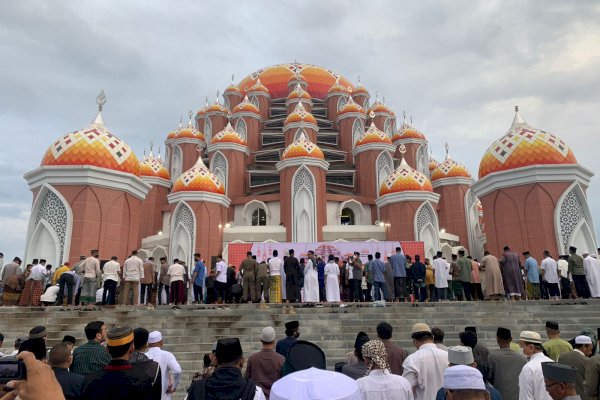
(378, 381)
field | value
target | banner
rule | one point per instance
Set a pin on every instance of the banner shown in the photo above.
(236, 252)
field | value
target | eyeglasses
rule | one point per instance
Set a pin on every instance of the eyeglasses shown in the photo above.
(552, 384)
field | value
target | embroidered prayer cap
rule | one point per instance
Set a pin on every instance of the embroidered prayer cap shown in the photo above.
(420, 327)
(374, 350)
(460, 355)
(38, 332)
(461, 377)
(530, 337)
(583, 339)
(315, 384)
(552, 325)
(119, 336)
(154, 337)
(228, 350)
(504, 333)
(557, 372)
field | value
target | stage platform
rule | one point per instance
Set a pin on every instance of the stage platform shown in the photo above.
(190, 331)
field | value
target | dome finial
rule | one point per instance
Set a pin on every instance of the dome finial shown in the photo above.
(404, 116)
(359, 84)
(232, 78)
(206, 102)
(101, 100)
(217, 100)
(180, 122)
(144, 157)
(518, 121)
(151, 147)
(447, 151)
(516, 109)
(411, 120)
(383, 99)
(190, 113)
(402, 151)
(159, 152)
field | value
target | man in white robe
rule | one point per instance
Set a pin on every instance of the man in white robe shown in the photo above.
(591, 266)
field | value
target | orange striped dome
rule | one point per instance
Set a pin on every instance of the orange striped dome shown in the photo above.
(379, 107)
(373, 135)
(258, 87)
(403, 179)
(300, 115)
(450, 169)
(298, 93)
(351, 107)
(216, 107)
(302, 147)
(276, 79)
(154, 167)
(198, 179)
(433, 164)
(94, 146)
(187, 132)
(228, 135)
(246, 106)
(337, 87)
(407, 131)
(232, 89)
(523, 146)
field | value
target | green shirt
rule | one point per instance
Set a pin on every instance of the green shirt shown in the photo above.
(576, 265)
(89, 358)
(555, 347)
(464, 269)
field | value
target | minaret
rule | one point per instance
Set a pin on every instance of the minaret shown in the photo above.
(298, 95)
(383, 117)
(337, 96)
(302, 180)
(300, 119)
(215, 119)
(260, 97)
(361, 95)
(351, 125)
(415, 143)
(297, 79)
(182, 147)
(154, 173)
(247, 123)
(233, 95)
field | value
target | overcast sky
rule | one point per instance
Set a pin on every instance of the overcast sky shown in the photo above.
(458, 67)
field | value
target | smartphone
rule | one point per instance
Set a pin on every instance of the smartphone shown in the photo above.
(11, 370)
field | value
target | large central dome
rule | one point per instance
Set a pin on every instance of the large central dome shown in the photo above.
(276, 79)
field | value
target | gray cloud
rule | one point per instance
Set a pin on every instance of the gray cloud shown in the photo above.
(458, 67)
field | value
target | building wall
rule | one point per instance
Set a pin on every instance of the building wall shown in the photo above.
(401, 218)
(153, 207)
(451, 211)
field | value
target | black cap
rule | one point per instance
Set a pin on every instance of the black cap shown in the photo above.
(552, 325)
(304, 355)
(69, 339)
(559, 372)
(228, 350)
(525, 253)
(471, 329)
(572, 248)
(504, 333)
(292, 325)
(35, 346)
(37, 332)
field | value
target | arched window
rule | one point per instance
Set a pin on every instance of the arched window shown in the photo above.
(259, 217)
(254, 101)
(207, 129)
(226, 102)
(357, 131)
(342, 102)
(241, 128)
(347, 217)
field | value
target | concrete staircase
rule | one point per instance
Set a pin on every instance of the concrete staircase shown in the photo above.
(190, 332)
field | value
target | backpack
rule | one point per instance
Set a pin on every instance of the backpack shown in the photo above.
(200, 394)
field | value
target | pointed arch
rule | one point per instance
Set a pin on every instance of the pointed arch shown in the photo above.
(422, 159)
(226, 103)
(573, 221)
(384, 167)
(241, 128)
(356, 208)
(220, 167)
(388, 126)
(358, 128)
(52, 218)
(251, 207)
(254, 100)
(427, 228)
(299, 132)
(183, 233)
(474, 230)
(177, 164)
(303, 206)
(342, 101)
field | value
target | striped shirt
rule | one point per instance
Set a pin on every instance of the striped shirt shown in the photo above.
(89, 358)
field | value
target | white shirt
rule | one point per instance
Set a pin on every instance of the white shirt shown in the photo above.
(531, 379)
(176, 272)
(550, 268)
(37, 272)
(168, 365)
(222, 272)
(275, 264)
(424, 370)
(563, 267)
(133, 269)
(380, 385)
(440, 269)
(448, 270)
(91, 267)
(111, 271)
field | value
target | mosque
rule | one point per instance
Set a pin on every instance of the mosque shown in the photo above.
(298, 153)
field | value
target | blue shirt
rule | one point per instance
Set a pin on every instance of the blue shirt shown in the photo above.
(398, 262)
(378, 268)
(321, 273)
(201, 271)
(533, 272)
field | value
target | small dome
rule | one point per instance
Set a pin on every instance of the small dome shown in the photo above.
(433, 164)
(373, 135)
(216, 107)
(154, 167)
(233, 89)
(450, 169)
(302, 147)
(360, 90)
(93, 146)
(201, 113)
(228, 135)
(379, 107)
(523, 146)
(407, 131)
(187, 132)
(198, 179)
(403, 179)
(258, 87)
(297, 77)
(299, 93)
(351, 107)
(300, 115)
(246, 106)
(337, 87)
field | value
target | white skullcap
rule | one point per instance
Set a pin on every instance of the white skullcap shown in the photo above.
(460, 355)
(463, 377)
(315, 384)
(583, 339)
(154, 337)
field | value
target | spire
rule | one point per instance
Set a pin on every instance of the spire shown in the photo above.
(518, 121)
(217, 99)
(180, 122)
(359, 84)
(447, 151)
(98, 122)
(206, 102)
(151, 154)
(159, 152)
(190, 124)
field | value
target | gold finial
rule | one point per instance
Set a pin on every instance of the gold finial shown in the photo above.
(371, 114)
(402, 149)
(101, 100)
(228, 116)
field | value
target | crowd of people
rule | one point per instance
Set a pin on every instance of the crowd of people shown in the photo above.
(124, 363)
(311, 279)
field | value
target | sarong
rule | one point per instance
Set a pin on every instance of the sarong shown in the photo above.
(10, 297)
(177, 292)
(88, 290)
(533, 291)
(32, 293)
(275, 289)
